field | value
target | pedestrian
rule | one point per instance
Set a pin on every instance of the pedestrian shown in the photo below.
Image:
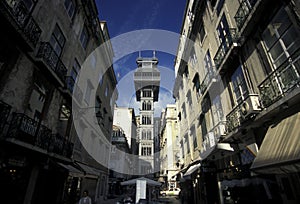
(85, 198)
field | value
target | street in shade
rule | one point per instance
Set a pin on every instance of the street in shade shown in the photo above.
(161, 200)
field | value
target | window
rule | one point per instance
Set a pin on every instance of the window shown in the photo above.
(189, 98)
(88, 91)
(75, 69)
(217, 110)
(146, 120)
(223, 32)
(193, 134)
(84, 37)
(70, 7)
(239, 86)
(202, 122)
(65, 112)
(146, 105)
(57, 40)
(281, 39)
(186, 71)
(143, 134)
(98, 107)
(149, 135)
(106, 91)
(146, 151)
(208, 63)
(149, 106)
(182, 148)
(196, 82)
(183, 110)
(147, 93)
(186, 137)
(202, 32)
(219, 6)
(179, 116)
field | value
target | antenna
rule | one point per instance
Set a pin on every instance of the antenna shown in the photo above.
(139, 53)
(153, 53)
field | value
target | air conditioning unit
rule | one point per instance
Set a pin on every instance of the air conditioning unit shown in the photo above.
(250, 106)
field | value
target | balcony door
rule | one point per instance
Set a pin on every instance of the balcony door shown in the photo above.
(239, 86)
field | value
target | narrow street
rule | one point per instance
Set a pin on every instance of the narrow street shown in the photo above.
(162, 200)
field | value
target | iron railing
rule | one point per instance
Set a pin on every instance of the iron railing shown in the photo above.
(206, 81)
(60, 145)
(243, 12)
(49, 56)
(230, 39)
(281, 81)
(234, 119)
(24, 21)
(28, 130)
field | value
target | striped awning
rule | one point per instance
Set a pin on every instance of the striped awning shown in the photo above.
(280, 150)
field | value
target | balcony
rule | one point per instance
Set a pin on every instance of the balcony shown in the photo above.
(209, 77)
(243, 12)
(52, 60)
(28, 130)
(233, 119)
(281, 81)
(19, 15)
(4, 113)
(231, 40)
(248, 108)
(60, 145)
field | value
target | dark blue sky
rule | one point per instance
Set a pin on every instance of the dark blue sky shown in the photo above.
(124, 16)
(127, 15)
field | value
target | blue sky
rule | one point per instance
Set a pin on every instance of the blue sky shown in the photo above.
(124, 16)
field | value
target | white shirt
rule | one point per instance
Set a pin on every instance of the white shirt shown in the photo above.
(85, 200)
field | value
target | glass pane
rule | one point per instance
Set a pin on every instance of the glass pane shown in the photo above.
(281, 21)
(277, 54)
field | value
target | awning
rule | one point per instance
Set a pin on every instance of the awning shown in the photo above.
(148, 181)
(90, 171)
(222, 147)
(72, 170)
(280, 150)
(192, 169)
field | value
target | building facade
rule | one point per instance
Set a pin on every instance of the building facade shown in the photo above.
(125, 118)
(146, 81)
(237, 86)
(169, 146)
(43, 46)
(120, 162)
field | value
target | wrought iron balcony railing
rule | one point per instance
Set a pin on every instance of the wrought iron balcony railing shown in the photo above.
(213, 137)
(60, 145)
(206, 81)
(231, 38)
(24, 21)
(28, 130)
(243, 12)
(248, 108)
(49, 56)
(233, 119)
(281, 81)
(4, 113)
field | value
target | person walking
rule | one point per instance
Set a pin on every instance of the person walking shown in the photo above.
(85, 198)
